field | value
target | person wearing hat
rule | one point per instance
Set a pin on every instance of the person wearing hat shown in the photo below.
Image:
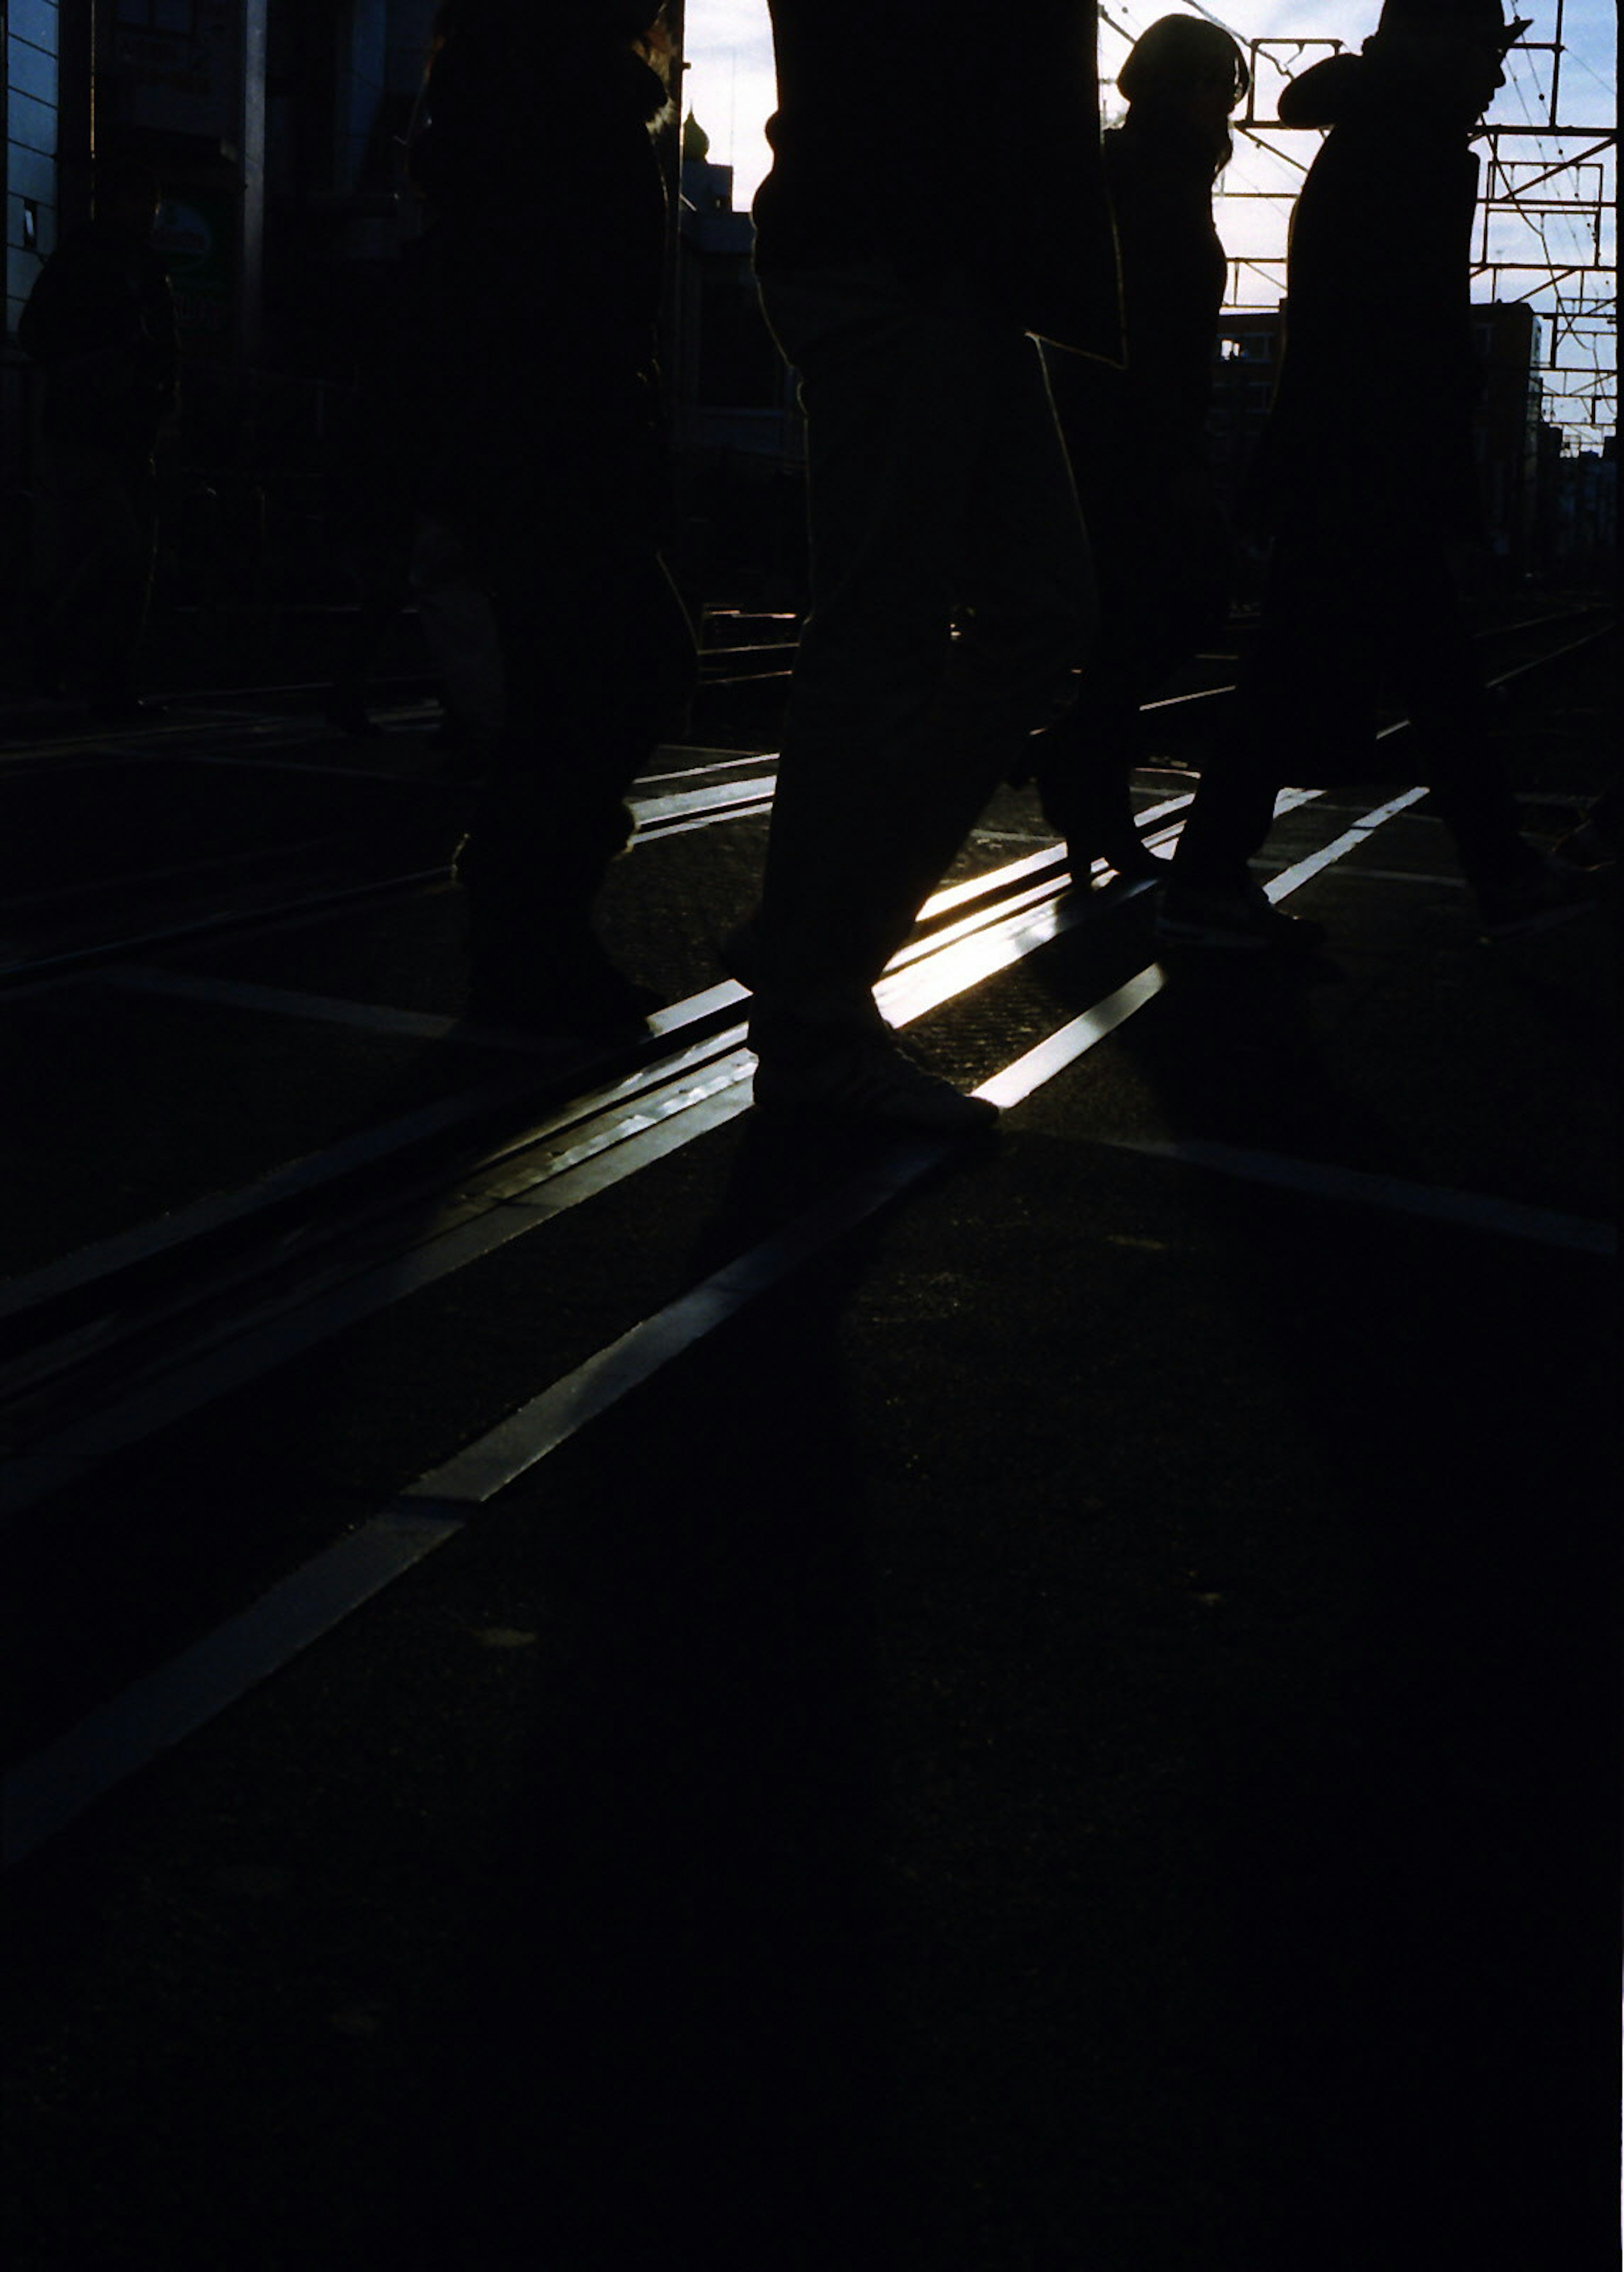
(1367, 478)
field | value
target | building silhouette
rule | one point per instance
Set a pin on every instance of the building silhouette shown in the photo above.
(277, 129)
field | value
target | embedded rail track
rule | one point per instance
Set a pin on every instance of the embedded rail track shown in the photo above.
(402, 834)
(124, 1341)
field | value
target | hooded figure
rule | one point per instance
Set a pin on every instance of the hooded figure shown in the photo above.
(1380, 376)
(1366, 473)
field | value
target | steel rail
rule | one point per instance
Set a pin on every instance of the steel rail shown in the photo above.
(71, 1773)
(983, 924)
(657, 816)
(399, 692)
(1016, 908)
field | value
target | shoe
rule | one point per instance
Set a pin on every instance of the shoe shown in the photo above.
(865, 1077)
(1546, 895)
(1245, 922)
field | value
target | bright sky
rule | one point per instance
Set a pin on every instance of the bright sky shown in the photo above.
(729, 87)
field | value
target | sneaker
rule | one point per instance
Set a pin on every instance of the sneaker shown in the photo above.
(866, 1077)
(1245, 922)
(1546, 895)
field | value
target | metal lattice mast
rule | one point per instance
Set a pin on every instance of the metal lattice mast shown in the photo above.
(1542, 237)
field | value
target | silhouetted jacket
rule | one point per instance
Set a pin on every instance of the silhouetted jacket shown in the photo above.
(101, 323)
(959, 136)
(544, 265)
(1372, 415)
(1152, 415)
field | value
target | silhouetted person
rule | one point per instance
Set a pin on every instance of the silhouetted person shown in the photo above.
(376, 462)
(1136, 437)
(100, 323)
(902, 293)
(1367, 474)
(547, 466)
(398, 554)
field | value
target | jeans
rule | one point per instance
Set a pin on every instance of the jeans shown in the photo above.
(597, 665)
(1164, 558)
(939, 495)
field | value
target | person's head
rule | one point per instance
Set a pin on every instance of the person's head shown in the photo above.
(1186, 69)
(124, 200)
(644, 29)
(638, 26)
(1448, 54)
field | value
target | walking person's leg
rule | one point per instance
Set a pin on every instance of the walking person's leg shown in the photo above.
(937, 489)
(1438, 679)
(1305, 707)
(597, 667)
(1160, 556)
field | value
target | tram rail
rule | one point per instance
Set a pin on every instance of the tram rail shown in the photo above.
(71, 1771)
(261, 898)
(109, 1349)
(157, 1323)
(58, 1318)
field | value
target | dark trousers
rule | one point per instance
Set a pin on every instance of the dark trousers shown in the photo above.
(939, 495)
(1163, 564)
(598, 666)
(1354, 613)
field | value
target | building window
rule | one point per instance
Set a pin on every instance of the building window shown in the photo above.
(175, 18)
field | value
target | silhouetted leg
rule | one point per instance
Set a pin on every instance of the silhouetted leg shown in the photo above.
(1306, 706)
(460, 623)
(1439, 679)
(938, 486)
(1161, 556)
(597, 663)
(1083, 767)
(384, 574)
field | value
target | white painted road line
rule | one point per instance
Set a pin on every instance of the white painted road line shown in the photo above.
(1291, 880)
(49, 1790)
